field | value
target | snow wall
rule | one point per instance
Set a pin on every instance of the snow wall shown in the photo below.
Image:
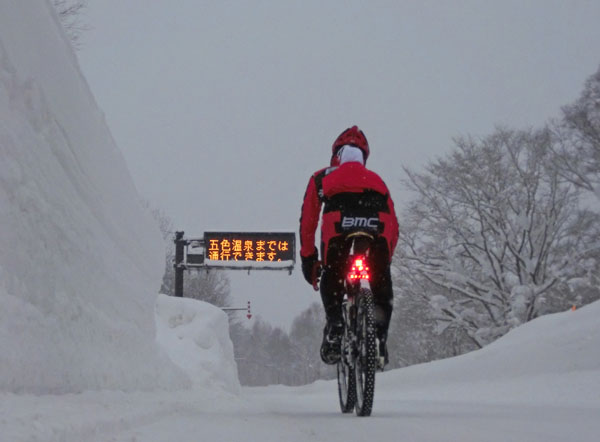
(80, 260)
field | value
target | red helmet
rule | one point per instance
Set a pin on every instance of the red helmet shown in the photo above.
(353, 137)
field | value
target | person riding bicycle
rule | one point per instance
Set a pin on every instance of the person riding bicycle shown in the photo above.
(353, 198)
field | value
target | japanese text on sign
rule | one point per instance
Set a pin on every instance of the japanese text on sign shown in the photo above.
(245, 246)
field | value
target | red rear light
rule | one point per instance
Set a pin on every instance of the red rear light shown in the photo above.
(359, 269)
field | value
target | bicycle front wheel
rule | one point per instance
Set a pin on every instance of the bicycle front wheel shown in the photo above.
(366, 361)
(346, 387)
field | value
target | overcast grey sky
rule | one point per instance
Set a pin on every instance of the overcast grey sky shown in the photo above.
(223, 109)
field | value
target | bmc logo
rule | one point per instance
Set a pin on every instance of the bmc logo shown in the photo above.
(359, 221)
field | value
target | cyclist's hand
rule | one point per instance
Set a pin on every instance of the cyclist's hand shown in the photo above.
(308, 263)
(316, 275)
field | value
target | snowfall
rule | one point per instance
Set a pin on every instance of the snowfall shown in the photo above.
(89, 351)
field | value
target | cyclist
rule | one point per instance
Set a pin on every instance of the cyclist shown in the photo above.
(353, 198)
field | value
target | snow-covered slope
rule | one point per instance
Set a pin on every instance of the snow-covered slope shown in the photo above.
(554, 359)
(80, 261)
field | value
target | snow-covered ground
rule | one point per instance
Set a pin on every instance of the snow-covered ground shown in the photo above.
(89, 353)
(541, 382)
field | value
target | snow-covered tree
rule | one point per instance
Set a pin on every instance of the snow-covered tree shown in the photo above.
(577, 138)
(494, 234)
(413, 337)
(268, 355)
(306, 334)
(263, 355)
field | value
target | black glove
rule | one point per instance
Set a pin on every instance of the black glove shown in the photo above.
(308, 264)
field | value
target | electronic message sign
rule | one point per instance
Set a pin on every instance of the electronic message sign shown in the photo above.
(235, 251)
(249, 247)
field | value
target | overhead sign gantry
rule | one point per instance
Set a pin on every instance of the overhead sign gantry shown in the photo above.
(234, 251)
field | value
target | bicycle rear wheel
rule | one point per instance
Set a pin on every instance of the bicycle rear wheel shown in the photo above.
(366, 361)
(345, 373)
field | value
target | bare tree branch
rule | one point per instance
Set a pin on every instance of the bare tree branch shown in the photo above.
(488, 231)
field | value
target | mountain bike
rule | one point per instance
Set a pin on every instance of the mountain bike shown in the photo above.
(359, 348)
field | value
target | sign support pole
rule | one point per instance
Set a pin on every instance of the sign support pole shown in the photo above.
(179, 265)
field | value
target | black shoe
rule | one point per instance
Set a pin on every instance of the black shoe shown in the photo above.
(384, 358)
(332, 339)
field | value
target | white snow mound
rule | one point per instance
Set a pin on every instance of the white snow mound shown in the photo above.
(552, 359)
(195, 335)
(79, 257)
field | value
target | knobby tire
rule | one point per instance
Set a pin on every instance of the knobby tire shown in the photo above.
(366, 362)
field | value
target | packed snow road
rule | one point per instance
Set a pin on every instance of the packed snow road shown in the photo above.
(308, 413)
(311, 414)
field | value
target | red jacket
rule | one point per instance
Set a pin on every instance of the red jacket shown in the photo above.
(353, 198)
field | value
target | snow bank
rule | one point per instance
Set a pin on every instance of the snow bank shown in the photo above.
(195, 335)
(552, 359)
(79, 258)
